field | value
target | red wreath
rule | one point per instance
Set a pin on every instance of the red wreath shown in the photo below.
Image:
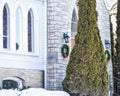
(65, 50)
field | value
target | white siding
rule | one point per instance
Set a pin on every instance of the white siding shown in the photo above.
(22, 59)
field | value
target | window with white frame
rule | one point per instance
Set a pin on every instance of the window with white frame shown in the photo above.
(18, 28)
(6, 26)
(30, 31)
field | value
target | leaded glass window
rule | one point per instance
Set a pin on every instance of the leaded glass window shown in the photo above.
(5, 27)
(74, 24)
(30, 32)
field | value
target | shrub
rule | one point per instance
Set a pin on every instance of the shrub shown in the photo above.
(86, 72)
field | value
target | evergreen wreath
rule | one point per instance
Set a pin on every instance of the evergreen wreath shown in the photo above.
(107, 53)
(65, 50)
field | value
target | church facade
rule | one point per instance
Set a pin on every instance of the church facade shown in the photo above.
(23, 40)
(32, 33)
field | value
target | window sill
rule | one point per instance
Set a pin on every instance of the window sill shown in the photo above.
(19, 53)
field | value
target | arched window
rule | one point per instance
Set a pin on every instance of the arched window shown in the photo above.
(73, 28)
(74, 24)
(30, 31)
(18, 28)
(6, 26)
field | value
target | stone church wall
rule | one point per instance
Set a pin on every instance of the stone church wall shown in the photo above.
(59, 22)
(32, 78)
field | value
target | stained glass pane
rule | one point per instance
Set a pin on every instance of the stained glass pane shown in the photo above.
(29, 33)
(4, 42)
(74, 24)
(5, 21)
(5, 34)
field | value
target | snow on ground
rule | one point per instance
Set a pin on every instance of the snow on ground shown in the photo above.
(32, 92)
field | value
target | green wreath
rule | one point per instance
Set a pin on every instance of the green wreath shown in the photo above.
(107, 53)
(65, 50)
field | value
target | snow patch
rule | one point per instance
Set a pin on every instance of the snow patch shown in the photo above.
(32, 92)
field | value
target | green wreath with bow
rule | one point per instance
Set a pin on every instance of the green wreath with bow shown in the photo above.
(107, 53)
(65, 50)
